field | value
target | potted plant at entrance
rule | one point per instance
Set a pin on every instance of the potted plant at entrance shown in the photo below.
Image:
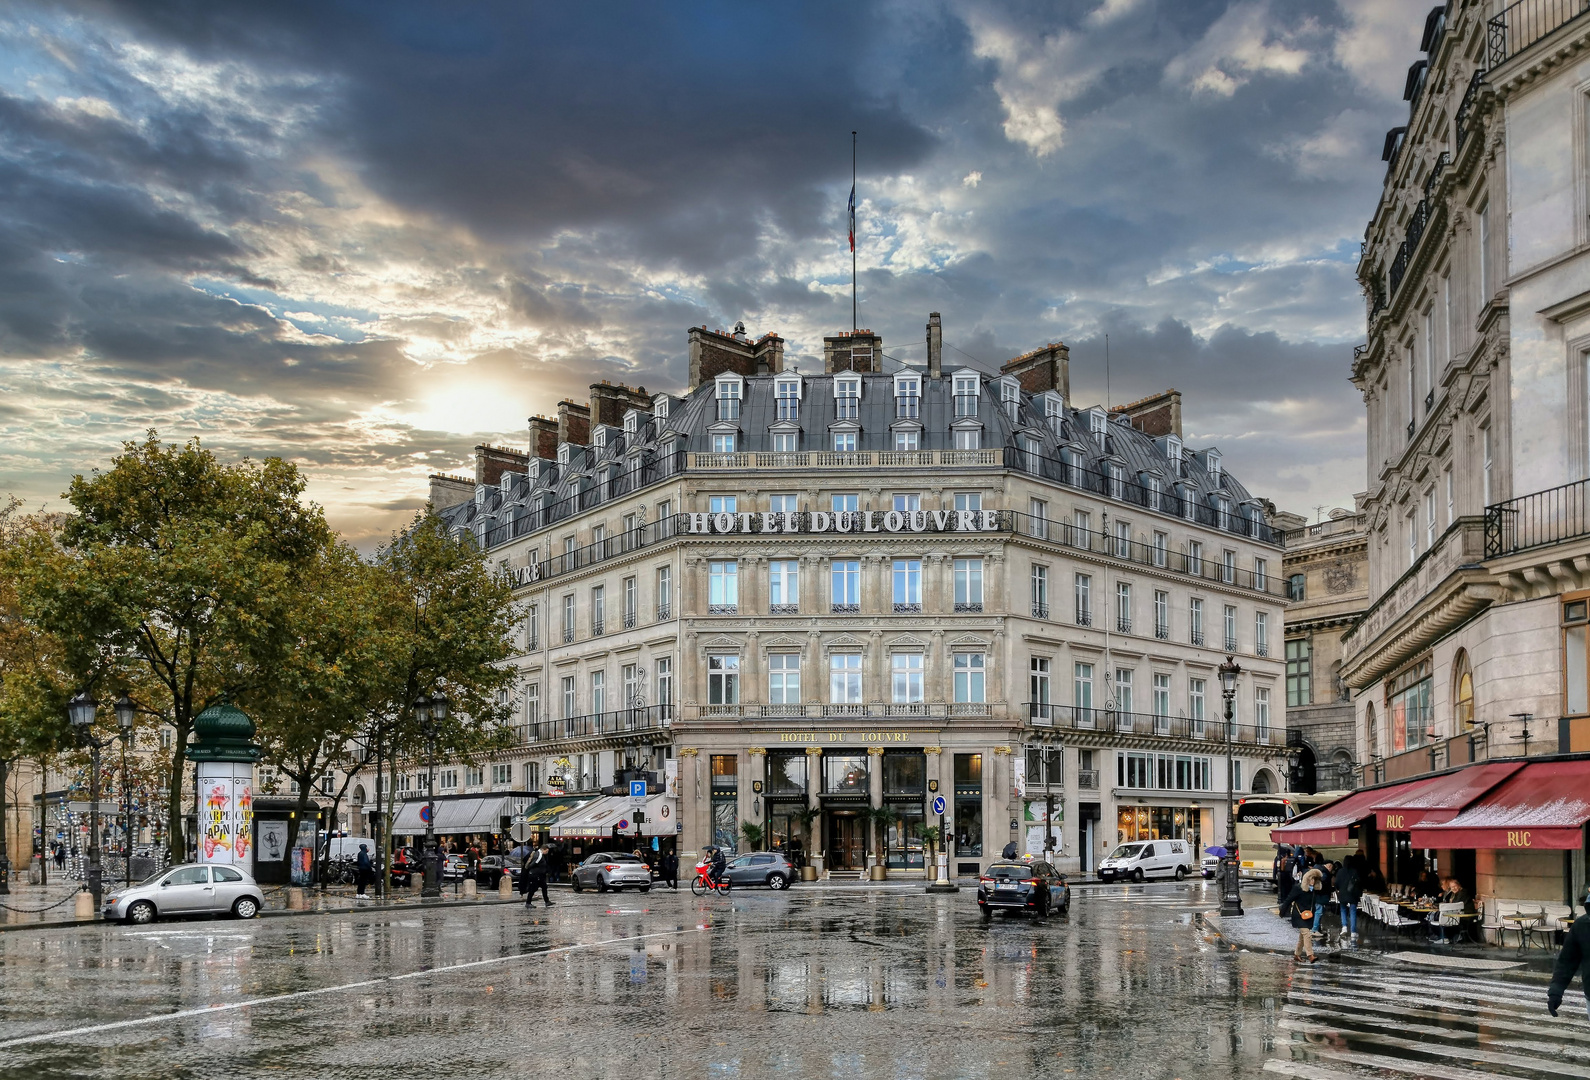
(881, 817)
(930, 839)
(753, 835)
(808, 816)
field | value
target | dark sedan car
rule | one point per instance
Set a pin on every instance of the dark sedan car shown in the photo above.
(1022, 886)
(762, 868)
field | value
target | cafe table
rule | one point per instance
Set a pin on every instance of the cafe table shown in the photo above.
(1526, 923)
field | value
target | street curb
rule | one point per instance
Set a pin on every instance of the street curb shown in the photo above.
(278, 913)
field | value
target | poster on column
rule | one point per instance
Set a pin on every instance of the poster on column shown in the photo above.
(219, 821)
(243, 821)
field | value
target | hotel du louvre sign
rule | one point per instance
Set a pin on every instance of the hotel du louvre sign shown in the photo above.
(808, 522)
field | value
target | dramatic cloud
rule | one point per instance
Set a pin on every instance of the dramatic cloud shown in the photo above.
(370, 237)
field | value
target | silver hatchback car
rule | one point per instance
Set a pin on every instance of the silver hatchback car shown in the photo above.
(611, 870)
(191, 889)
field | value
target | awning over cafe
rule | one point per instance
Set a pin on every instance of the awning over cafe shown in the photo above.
(1541, 807)
(1330, 825)
(544, 811)
(603, 815)
(474, 814)
(1438, 799)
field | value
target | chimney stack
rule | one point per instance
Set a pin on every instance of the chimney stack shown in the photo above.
(574, 423)
(544, 438)
(1048, 368)
(935, 344)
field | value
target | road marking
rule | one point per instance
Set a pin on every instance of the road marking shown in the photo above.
(211, 1010)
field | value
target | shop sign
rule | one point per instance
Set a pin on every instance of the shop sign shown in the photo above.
(844, 736)
(1518, 838)
(846, 521)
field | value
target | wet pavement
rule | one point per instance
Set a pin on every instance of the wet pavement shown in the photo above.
(854, 983)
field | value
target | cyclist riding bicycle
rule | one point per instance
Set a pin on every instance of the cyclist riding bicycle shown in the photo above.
(719, 864)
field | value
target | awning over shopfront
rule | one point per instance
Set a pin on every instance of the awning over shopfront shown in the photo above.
(475, 814)
(601, 816)
(543, 812)
(1329, 825)
(1541, 807)
(1439, 799)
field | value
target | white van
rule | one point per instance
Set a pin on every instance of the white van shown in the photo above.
(1148, 858)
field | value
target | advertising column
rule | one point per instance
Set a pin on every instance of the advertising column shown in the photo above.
(224, 754)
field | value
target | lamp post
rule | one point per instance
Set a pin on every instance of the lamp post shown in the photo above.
(126, 713)
(1231, 884)
(80, 710)
(431, 711)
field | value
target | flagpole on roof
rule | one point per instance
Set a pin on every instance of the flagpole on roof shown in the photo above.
(852, 233)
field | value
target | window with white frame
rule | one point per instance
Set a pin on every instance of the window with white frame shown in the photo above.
(723, 587)
(568, 617)
(1261, 574)
(1161, 543)
(665, 591)
(847, 399)
(1261, 633)
(599, 691)
(907, 440)
(729, 394)
(532, 703)
(1487, 491)
(844, 442)
(845, 581)
(1195, 621)
(1124, 701)
(1231, 628)
(474, 776)
(1038, 517)
(966, 395)
(784, 678)
(1446, 478)
(968, 584)
(783, 504)
(1429, 518)
(844, 502)
(1082, 690)
(907, 396)
(723, 444)
(723, 679)
(906, 678)
(1228, 567)
(969, 678)
(723, 504)
(665, 681)
(1082, 586)
(789, 399)
(783, 585)
(570, 706)
(1040, 591)
(1038, 687)
(1261, 713)
(1195, 705)
(907, 501)
(1195, 557)
(1081, 528)
(501, 773)
(786, 442)
(1161, 614)
(1161, 696)
(844, 678)
(968, 439)
(1123, 540)
(1123, 607)
(598, 609)
(631, 602)
(969, 500)
(907, 585)
(629, 678)
(449, 779)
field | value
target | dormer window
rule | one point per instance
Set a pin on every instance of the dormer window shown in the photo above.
(789, 399)
(599, 437)
(1151, 490)
(966, 388)
(506, 484)
(1212, 463)
(565, 454)
(480, 494)
(907, 396)
(659, 406)
(1031, 449)
(847, 399)
(1054, 407)
(1115, 481)
(1098, 423)
(1223, 507)
(1173, 454)
(631, 422)
(730, 391)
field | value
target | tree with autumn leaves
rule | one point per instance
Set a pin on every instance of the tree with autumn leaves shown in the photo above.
(180, 579)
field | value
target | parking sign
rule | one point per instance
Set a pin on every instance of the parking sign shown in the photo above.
(637, 792)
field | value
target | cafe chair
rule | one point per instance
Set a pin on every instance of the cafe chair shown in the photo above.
(1551, 922)
(1447, 918)
(1395, 920)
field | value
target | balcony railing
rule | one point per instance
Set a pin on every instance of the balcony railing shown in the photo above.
(1084, 617)
(1040, 611)
(1537, 520)
(568, 635)
(1465, 109)
(1123, 626)
(1109, 721)
(1526, 22)
(1162, 631)
(599, 725)
(816, 710)
(907, 609)
(784, 609)
(664, 612)
(629, 620)
(1088, 778)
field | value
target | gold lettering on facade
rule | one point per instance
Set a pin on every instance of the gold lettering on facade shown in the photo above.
(1394, 821)
(1518, 838)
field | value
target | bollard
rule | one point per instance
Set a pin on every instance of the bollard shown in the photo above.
(295, 900)
(83, 906)
(469, 888)
(505, 886)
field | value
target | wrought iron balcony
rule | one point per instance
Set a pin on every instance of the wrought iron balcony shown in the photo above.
(1040, 611)
(969, 609)
(568, 635)
(600, 725)
(664, 612)
(1537, 520)
(847, 609)
(907, 609)
(1162, 631)
(1084, 617)
(629, 620)
(1145, 725)
(1123, 626)
(1526, 22)
(598, 627)
(1195, 637)
(722, 609)
(784, 609)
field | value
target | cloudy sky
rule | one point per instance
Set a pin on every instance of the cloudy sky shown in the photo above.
(367, 236)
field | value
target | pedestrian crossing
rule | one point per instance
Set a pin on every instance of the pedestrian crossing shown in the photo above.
(1365, 1022)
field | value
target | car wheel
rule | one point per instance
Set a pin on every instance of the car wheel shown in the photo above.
(574, 883)
(246, 907)
(142, 913)
(645, 888)
(1137, 875)
(601, 884)
(777, 882)
(1181, 872)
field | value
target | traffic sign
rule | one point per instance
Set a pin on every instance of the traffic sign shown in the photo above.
(938, 804)
(425, 813)
(519, 828)
(637, 793)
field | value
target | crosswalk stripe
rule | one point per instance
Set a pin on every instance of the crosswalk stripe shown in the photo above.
(1426, 1070)
(1472, 1054)
(1304, 1070)
(1468, 1031)
(1379, 999)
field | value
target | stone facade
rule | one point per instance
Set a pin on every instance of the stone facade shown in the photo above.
(1327, 575)
(855, 590)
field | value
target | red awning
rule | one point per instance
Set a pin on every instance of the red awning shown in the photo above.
(1328, 826)
(1439, 798)
(1541, 807)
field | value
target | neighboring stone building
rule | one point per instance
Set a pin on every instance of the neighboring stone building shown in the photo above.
(1476, 270)
(855, 589)
(1327, 582)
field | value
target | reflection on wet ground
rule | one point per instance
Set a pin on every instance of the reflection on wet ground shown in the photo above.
(849, 983)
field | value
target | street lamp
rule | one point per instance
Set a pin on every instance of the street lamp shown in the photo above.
(80, 710)
(1231, 884)
(431, 711)
(126, 714)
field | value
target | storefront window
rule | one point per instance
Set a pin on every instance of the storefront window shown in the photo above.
(725, 772)
(845, 774)
(1576, 657)
(1408, 702)
(904, 774)
(968, 774)
(786, 774)
(903, 837)
(969, 805)
(1135, 823)
(725, 824)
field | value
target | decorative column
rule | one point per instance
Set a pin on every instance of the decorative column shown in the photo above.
(751, 808)
(814, 785)
(876, 870)
(224, 754)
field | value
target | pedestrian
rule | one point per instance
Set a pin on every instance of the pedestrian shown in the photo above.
(1314, 885)
(1575, 958)
(1300, 910)
(60, 855)
(1009, 852)
(533, 876)
(364, 871)
(1349, 890)
(668, 869)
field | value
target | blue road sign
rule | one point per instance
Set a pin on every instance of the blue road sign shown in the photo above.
(637, 789)
(938, 804)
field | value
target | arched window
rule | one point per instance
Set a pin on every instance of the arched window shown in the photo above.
(1462, 693)
(358, 795)
(1371, 742)
(1261, 782)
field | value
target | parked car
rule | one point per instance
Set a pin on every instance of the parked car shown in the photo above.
(1147, 858)
(612, 870)
(1022, 886)
(1210, 865)
(191, 889)
(455, 866)
(491, 871)
(762, 868)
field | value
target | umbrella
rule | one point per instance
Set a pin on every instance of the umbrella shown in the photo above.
(1217, 851)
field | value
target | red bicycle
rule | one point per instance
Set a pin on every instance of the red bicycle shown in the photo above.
(704, 884)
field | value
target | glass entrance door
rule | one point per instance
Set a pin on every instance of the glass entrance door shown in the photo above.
(847, 838)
